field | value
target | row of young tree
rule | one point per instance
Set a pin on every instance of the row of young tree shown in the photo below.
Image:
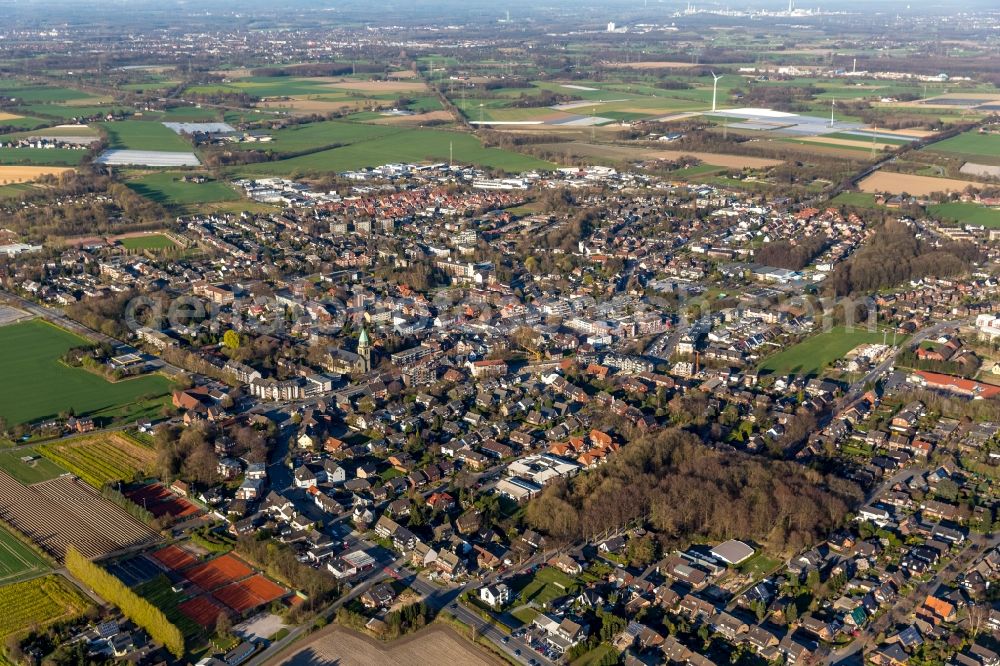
(137, 609)
(687, 491)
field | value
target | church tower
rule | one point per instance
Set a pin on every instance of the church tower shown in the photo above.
(365, 351)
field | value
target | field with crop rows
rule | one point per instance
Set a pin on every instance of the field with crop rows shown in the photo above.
(64, 511)
(38, 602)
(101, 459)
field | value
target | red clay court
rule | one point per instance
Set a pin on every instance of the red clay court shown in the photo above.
(201, 610)
(159, 501)
(218, 572)
(174, 558)
(249, 594)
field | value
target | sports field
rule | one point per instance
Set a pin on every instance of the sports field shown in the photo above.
(812, 356)
(41, 386)
(17, 561)
(143, 135)
(966, 213)
(38, 603)
(168, 189)
(409, 145)
(147, 242)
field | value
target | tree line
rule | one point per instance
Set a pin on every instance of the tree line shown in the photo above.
(137, 609)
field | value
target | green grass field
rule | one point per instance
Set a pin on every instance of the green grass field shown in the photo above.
(40, 386)
(966, 213)
(972, 144)
(811, 356)
(601, 654)
(144, 135)
(17, 561)
(759, 565)
(17, 190)
(314, 135)
(150, 242)
(412, 145)
(38, 603)
(168, 189)
(543, 586)
(22, 122)
(41, 156)
(159, 593)
(857, 199)
(64, 112)
(525, 614)
(46, 94)
(33, 471)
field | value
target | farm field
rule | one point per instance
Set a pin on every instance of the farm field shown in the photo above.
(39, 468)
(410, 145)
(31, 350)
(20, 122)
(29, 94)
(17, 561)
(16, 190)
(616, 152)
(811, 356)
(101, 459)
(972, 144)
(11, 175)
(66, 112)
(38, 603)
(64, 511)
(316, 135)
(431, 646)
(57, 156)
(900, 183)
(58, 131)
(967, 213)
(168, 189)
(143, 135)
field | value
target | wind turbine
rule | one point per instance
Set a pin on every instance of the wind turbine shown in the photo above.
(715, 88)
(833, 103)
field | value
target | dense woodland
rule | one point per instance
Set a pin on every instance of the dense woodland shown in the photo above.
(791, 255)
(895, 255)
(690, 492)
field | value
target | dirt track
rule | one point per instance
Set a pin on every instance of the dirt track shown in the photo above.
(434, 646)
